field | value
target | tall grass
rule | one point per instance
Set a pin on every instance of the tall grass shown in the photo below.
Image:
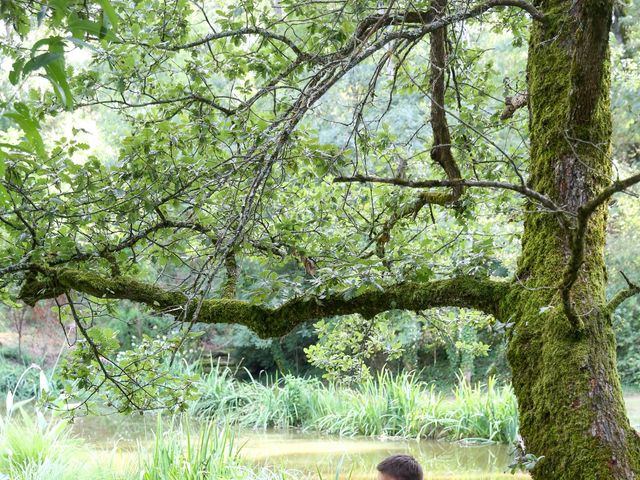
(35, 447)
(39, 448)
(32, 448)
(211, 454)
(388, 405)
(487, 413)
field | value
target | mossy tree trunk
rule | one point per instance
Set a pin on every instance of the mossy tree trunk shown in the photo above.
(571, 404)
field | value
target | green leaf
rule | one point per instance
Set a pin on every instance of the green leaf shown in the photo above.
(79, 27)
(29, 125)
(40, 61)
(58, 78)
(16, 71)
(110, 13)
(55, 44)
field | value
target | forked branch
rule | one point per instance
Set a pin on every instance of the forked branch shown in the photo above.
(631, 290)
(441, 149)
(578, 244)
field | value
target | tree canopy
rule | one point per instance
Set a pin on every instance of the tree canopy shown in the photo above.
(383, 148)
(214, 156)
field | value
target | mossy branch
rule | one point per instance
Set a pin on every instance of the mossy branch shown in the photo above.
(578, 244)
(469, 292)
(537, 197)
(631, 290)
(514, 103)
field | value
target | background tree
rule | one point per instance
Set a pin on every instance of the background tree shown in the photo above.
(224, 162)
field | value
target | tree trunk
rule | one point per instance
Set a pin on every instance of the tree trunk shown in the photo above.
(571, 405)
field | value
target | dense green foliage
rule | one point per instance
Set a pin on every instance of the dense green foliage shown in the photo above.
(280, 256)
(274, 164)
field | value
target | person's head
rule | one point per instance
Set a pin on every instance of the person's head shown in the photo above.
(399, 467)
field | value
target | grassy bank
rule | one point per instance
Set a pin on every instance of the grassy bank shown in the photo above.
(35, 448)
(388, 405)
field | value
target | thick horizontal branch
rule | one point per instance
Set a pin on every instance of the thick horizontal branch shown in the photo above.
(20, 266)
(422, 17)
(371, 25)
(469, 292)
(523, 190)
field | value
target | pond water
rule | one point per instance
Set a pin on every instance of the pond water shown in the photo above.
(332, 457)
(118, 437)
(357, 458)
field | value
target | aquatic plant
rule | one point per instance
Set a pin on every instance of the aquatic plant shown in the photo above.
(212, 454)
(386, 405)
(38, 448)
(29, 444)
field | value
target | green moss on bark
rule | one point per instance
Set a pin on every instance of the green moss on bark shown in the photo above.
(470, 292)
(571, 406)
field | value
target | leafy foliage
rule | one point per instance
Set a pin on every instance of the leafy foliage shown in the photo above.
(216, 156)
(127, 380)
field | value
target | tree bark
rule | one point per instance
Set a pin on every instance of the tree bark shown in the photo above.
(571, 405)
(479, 293)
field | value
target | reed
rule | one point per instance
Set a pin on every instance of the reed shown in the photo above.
(387, 405)
(38, 448)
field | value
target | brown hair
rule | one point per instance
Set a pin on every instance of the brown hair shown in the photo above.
(401, 467)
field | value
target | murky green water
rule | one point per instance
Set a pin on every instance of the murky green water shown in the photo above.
(309, 453)
(359, 457)
(119, 438)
